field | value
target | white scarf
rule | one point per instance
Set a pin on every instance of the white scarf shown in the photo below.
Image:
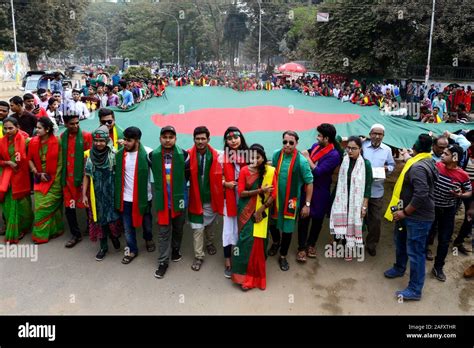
(343, 223)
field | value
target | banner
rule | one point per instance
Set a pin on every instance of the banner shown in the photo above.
(7, 65)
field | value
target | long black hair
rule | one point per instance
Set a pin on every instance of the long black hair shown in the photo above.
(47, 124)
(261, 151)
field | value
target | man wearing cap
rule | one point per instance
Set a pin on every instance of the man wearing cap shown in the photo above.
(170, 166)
(380, 157)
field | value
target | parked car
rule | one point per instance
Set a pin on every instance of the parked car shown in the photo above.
(41, 79)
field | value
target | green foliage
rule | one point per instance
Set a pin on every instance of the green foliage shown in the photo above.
(46, 26)
(137, 72)
(383, 38)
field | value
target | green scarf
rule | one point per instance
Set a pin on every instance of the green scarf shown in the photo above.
(177, 179)
(205, 184)
(78, 157)
(140, 189)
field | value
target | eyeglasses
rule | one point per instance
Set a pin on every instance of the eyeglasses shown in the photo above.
(291, 142)
(350, 149)
(108, 122)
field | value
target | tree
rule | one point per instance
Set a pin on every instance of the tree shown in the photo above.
(46, 27)
(235, 31)
(383, 38)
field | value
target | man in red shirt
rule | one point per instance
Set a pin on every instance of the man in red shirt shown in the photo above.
(74, 143)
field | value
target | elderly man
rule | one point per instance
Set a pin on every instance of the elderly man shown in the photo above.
(380, 157)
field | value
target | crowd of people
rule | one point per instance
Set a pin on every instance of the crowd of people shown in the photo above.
(109, 173)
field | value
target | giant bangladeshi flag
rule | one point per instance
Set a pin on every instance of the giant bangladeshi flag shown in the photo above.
(262, 116)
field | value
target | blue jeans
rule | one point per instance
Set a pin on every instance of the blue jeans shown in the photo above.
(130, 232)
(410, 244)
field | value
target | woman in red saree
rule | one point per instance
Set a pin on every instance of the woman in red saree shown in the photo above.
(256, 191)
(15, 187)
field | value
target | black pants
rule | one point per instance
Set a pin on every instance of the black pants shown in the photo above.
(284, 239)
(466, 227)
(228, 251)
(374, 222)
(303, 225)
(72, 222)
(445, 220)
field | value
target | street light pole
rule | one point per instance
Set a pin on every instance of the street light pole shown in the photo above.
(427, 73)
(259, 34)
(177, 24)
(17, 73)
(106, 40)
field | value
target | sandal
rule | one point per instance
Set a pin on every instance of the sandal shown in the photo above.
(73, 242)
(273, 249)
(211, 249)
(301, 256)
(311, 252)
(150, 246)
(128, 258)
(196, 266)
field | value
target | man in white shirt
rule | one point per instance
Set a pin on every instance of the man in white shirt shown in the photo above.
(77, 107)
(336, 91)
(133, 192)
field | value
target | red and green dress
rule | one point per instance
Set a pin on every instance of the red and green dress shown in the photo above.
(73, 148)
(15, 189)
(248, 266)
(48, 222)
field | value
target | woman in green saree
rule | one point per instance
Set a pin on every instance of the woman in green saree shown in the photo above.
(45, 157)
(256, 191)
(15, 188)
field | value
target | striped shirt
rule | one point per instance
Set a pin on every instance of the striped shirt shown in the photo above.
(470, 169)
(449, 180)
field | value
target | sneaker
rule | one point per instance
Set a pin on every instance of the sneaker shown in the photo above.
(284, 265)
(273, 249)
(392, 273)
(438, 274)
(228, 272)
(175, 255)
(407, 294)
(429, 255)
(100, 255)
(160, 272)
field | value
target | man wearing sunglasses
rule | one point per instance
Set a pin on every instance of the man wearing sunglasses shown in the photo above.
(107, 118)
(43, 96)
(293, 171)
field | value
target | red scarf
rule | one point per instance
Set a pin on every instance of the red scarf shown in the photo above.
(230, 199)
(319, 152)
(18, 178)
(215, 179)
(51, 160)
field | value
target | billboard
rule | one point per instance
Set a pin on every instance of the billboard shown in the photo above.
(7, 65)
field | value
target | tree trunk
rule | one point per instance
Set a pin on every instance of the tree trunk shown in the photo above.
(32, 61)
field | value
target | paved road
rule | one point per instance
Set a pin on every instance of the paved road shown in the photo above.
(65, 281)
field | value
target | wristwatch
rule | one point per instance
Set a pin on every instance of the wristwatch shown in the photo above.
(308, 204)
